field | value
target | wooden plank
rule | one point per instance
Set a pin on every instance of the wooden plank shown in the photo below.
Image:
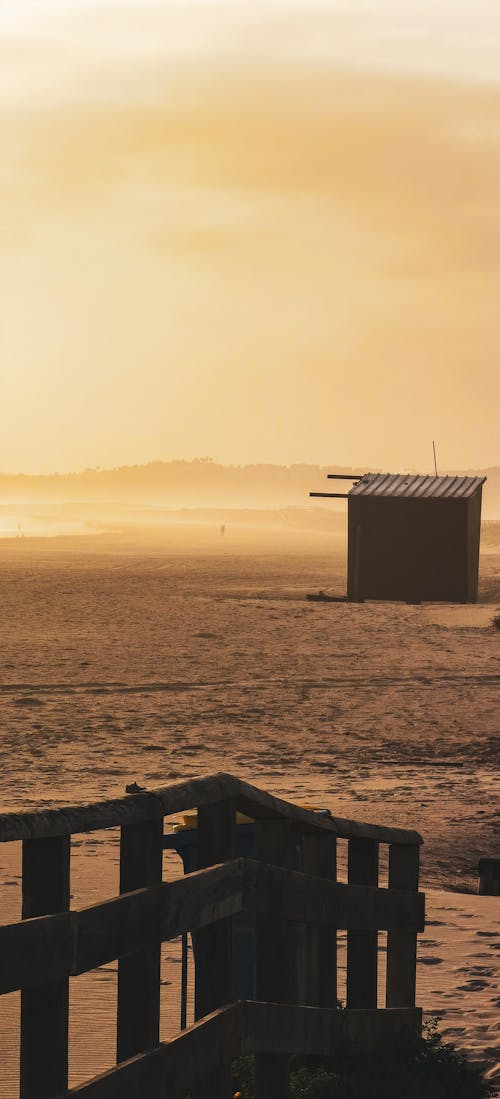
(44, 1009)
(402, 945)
(184, 979)
(362, 946)
(272, 841)
(291, 895)
(489, 877)
(344, 477)
(36, 952)
(357, 598)
(273, 964)
(70, 819)
(213, 945)
(172, 1067)
(178, 798)
(281, 1029)
(120, 927)
(320, 859)
(137, 920)
(72, 943)
(213, 984)
(138, 1019)
(47, 948)
(247, 1028)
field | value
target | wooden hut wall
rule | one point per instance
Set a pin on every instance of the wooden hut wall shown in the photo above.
(473, 540)
(412, 548)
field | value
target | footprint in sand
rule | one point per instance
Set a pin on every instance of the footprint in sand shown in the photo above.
(476, 970)
(430, 961)
(473, 986)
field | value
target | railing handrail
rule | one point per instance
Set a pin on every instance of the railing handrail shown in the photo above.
(65, 944)
(181, 797)
(295, 915)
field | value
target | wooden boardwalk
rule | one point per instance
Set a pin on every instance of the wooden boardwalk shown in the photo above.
(297, 915)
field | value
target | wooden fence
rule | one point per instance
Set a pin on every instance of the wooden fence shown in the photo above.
(297, 915)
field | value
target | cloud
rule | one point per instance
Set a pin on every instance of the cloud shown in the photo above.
(193, 246)
(443, 37)
(217, 153)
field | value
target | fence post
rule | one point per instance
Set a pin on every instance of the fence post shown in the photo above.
(138, 1021)
(214, 944)
(44, 1010)
(362, 945)
(273, 964)
(320, 857)
(402, 945)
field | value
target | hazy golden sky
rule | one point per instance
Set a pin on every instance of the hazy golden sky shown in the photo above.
(260, 230)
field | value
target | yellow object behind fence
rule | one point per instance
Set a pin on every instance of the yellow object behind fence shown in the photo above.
(190, 820)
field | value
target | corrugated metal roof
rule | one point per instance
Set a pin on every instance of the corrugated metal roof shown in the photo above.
(416, 485)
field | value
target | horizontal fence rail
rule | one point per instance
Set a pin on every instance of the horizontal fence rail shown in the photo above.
(295, 914)
(246, 1028)
(179, 798)
(71, 943)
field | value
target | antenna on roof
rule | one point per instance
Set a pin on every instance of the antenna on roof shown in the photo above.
(435, 460)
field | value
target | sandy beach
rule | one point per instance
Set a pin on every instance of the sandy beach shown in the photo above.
(124, 664)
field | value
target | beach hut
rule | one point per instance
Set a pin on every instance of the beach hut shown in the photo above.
(412, 537)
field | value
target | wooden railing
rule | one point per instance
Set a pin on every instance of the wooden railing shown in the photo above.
(297, 915)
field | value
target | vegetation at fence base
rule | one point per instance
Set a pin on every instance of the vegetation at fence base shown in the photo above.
(428, 1069)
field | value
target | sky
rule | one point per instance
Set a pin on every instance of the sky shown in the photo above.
(264, 230)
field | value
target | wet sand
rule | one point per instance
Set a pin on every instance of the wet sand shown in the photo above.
(155, 665)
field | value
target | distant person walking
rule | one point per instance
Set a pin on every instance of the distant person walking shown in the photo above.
(223, 529)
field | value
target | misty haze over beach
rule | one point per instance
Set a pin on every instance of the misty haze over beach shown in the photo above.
(190, 500)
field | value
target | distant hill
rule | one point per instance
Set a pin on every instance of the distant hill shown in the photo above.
(199, 483)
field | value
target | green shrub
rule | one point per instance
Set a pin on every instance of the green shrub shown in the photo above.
(429, 1069)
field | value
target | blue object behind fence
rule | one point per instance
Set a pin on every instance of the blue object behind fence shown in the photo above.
(185, 842)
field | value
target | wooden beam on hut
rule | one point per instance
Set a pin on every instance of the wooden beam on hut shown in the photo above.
(331, 495)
